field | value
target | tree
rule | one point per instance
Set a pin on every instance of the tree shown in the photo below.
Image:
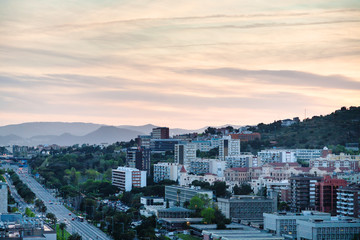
(75, 236)
(208, 215)
(62, 227)
(244, 189)
(220, 189)
(51, 217)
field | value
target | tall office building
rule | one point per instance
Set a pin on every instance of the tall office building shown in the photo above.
(185, 153)
(126, 178)
(139, 158)
(229, 147)
(160, 133)
(3, 197)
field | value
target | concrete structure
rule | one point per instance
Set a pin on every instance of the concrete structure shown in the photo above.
(307, 154)
(143, 141)
(163, 145)
(16, 227)
(139, 158)
(229, 147)
(186, 179)
(174, 212)
(182, 194)
(245, 207)
(164, 171)
(348, 199)
(333, 229)
(149, 201)
(185, 153)
(243, 233)
(217, 167)
(245, 136)
(199, 166)
(3, 198)
(344, 161)
(284, 223)
(160, 133)
(276, 156)
(203, 146)
(239, 161)
(326, 194)
(126, 178)
(237, 175)
(303, 192)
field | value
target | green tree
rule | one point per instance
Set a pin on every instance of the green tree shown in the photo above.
(75, 236)
(208, 215)
(52, 218)
(62, 227)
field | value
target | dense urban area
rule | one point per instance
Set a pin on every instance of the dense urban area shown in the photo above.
(291, 179)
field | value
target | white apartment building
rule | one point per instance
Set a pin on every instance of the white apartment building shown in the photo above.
(239, 161)
(185, 153)
(276, 156)
(126, 178)
(164, 171)
(229, 147)
(203, 146)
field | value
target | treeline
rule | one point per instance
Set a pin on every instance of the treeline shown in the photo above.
(23, 190)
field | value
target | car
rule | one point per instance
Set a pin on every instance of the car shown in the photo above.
(73, 219)
(69, 214)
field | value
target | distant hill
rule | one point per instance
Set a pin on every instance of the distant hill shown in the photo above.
(339, 127)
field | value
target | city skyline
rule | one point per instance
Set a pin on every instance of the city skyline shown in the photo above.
(185, 64)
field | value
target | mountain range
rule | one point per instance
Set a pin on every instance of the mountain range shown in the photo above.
(66, 134)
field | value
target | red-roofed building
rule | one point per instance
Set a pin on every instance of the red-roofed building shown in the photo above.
(245, 137)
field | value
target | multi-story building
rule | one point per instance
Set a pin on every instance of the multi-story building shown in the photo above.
(348, 199)
(333, 229)
(164, 171)
(229, 147)
(163, 145)
(186, 179)
(203, 146)
(143, 141)
(307, 154)
(160, 133)
(237, 175)
(303, 192)
(183, 194)
(276, 156)
(284, 223)
(326, 194)
(3, 198)
(217, 167)
(199, 166)
(245, 207)
(239, 161)
(185, 153)
(127, 178)
(139, 158)
(245, 137)
(345, 161)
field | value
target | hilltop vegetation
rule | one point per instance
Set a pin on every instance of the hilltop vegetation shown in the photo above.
(335, 130)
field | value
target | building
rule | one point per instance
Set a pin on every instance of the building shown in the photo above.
(217, 167)
(237, 175)
(345, 161)
(175, 212)
(199, 166)
(3, 198)
(160, 133)
(127, 178)
(150, 201)
(276, 156)
(333, 229)
(284, 223)
(143, 141)
(185, 153)
(307, 154)
(183, 194)
(326, 194)
(245, 137)
(239, 161)
(303, 192)
(229, 147)
(139, 158)
(242, 233)
(186, 179)
(17, 227)
(246, 207)
(203, 146)
(348, 201)
(163, 145)
(165, 171)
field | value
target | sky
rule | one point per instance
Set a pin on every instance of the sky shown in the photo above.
(185, 63)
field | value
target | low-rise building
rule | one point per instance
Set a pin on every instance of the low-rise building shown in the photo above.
(237, 175)
(284, 223)
(175, 212)
(333, 229)
(245, 207)
(184, 194)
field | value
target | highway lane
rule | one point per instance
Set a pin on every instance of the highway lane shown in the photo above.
(86, 230)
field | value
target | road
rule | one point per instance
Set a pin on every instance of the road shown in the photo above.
(86, 230)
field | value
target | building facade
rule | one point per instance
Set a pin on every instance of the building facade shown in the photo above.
(185, 153)
(127, 178)
(183, 194)
(229, 147)
(160, 133)
(139, 157)
(348, 199)
(163, 171)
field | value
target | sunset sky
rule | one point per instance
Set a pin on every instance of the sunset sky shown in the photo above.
(185, 63)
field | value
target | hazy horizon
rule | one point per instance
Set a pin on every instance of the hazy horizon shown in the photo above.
(178, 64)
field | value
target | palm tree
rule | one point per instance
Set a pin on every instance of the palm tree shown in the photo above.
(62, 227)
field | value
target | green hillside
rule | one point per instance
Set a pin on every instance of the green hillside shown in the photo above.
(338, 128)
